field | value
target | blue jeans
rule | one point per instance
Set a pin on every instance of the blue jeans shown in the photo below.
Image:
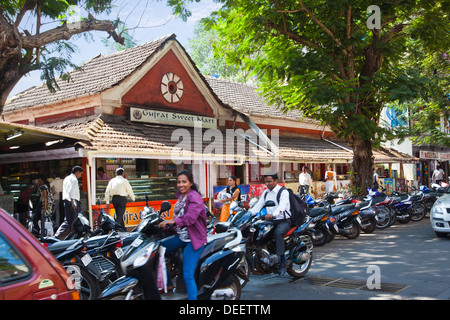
(190, 259)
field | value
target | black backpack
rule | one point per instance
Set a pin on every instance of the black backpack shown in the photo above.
(298, 206)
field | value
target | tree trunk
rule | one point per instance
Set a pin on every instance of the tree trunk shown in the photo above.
(362, 165)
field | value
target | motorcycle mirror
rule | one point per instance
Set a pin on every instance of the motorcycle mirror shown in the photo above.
(165, 206)
(269, 203)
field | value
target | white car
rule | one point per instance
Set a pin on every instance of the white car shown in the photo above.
(440, 216)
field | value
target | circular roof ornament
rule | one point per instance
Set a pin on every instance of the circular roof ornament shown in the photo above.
(171, 87)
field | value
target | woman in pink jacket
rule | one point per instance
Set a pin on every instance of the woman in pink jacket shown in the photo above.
(190, 225)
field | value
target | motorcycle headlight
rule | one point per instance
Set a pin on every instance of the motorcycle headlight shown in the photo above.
(144, 256)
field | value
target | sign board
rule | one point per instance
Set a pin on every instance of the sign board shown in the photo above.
(171, 118)
(430, 155)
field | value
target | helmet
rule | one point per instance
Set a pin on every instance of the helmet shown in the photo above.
(300, 255)
(223, 195)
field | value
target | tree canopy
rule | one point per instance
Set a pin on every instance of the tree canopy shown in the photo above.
(332, 62)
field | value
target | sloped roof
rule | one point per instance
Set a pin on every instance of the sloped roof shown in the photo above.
(104, 72)
(96, 75)
(246, 99)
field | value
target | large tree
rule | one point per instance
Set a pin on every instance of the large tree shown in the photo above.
(332, 61)
(24, 45)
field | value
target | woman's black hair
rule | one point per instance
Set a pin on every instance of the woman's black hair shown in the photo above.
(234, 179)
(190, 177)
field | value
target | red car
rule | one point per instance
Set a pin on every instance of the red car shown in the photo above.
(28, 271)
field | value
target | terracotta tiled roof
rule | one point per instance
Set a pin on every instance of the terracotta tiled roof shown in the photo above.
(116, 134)
(246, 99)
(96, 75)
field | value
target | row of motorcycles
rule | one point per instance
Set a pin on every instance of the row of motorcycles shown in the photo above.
(350, 215)
(111, 263)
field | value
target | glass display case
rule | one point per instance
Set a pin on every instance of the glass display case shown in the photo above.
(156, 188)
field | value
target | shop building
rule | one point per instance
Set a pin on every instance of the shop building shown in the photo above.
(149, 110)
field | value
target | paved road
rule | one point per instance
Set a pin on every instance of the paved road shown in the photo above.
(412, 263)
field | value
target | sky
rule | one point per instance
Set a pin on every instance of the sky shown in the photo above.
(154, 20)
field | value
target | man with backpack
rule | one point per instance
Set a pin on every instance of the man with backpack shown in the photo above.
(280, 214)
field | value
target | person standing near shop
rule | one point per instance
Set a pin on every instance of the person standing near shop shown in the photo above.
(438, 175)
(330, 180)
(102, 175)
(235, 193)
(56, 188)
(71, 200)
(304, 181)
(119, 188)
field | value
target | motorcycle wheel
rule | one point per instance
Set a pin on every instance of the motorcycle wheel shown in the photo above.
(383, 217)
(405, 220)
(370, 227)
(230, 292)
(319, 237)
(245, 268)
(299, 270)
(353, 231)
(417, 212)
(89, 287)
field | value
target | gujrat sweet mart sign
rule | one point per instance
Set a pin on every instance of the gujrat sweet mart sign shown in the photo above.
(171, 118)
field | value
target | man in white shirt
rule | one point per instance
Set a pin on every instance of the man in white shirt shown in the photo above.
(71, 200)
(119, 188)
(280, 214)
(304, 181)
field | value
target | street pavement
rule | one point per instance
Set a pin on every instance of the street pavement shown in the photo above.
(402, 262)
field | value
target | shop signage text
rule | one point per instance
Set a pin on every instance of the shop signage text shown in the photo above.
(430, 155)
(171, 118)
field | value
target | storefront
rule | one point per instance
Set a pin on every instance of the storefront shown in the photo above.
(148, 110)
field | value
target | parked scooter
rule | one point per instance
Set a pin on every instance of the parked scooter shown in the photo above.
(90, 262)
(216, 270)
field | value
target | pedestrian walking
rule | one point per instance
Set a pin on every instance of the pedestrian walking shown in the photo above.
(119, 188)
(304, 181)
(71, 200)
(330, 180)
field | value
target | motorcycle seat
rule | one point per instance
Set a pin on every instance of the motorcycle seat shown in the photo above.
(340, 209)
(317, 211)
(61, 246)
(290, 231)
(217, 241)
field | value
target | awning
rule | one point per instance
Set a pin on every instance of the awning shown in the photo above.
(24, 143)
(390, 155)
(19, 135)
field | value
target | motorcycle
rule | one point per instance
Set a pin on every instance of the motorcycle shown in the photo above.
(216, 274)
(90, 262)
(261, 245)
(406, 208)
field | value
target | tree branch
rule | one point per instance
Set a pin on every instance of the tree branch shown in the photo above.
(321, 25)
(66, 31)
(293, 36)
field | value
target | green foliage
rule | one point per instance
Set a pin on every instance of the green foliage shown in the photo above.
(200, 49)
(323, 60)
